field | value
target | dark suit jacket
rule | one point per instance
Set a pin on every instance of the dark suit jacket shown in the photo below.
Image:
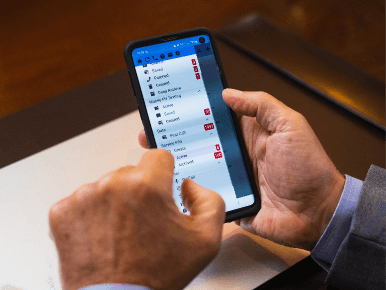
(360, 261)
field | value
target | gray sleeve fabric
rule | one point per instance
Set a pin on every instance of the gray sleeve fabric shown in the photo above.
(360, 261)
(339, 226)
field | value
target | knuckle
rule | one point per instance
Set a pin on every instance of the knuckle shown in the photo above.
(59, 211)
(83, 194)
(135, 185)
(115, 181)
(293, 120)
(165, 158)
(298, 116)
(160, 151)
(55, 213)
(127, 188)
(141, 184)
(63, 208)
(162, 154)
(109, 184)
(84, 190)
(165, 153)
(64, 214)
(264, 94)
(300, 121)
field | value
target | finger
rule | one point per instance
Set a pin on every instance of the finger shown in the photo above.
(143, 140)
(157, 169)
(247, 225)
(204, 205)
(270, 113)
(157, 159)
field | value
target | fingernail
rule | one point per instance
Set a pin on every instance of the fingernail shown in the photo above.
(233, 91)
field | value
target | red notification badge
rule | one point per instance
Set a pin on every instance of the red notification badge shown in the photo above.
(209, 126)
(217, 155)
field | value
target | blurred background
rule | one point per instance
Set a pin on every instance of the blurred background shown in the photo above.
(50, 47)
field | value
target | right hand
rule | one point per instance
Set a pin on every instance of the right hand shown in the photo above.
(127, 228)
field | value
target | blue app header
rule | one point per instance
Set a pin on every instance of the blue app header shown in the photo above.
(165, 51)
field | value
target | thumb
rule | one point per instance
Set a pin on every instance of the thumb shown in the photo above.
(270, 113)
(203, 204)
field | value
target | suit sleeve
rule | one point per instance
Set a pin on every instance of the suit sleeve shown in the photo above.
(339, 226)
(360, 260)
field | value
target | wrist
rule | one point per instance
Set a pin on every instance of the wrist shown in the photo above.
(334, 193)
(74, 278)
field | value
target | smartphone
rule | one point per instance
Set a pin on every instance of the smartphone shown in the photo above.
(178, 81)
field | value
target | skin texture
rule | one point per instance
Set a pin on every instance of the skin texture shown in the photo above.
(126, 228)
(299, 185)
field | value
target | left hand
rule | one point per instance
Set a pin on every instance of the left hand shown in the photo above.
(126, 228)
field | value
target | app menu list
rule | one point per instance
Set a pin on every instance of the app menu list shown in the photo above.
(182, 122)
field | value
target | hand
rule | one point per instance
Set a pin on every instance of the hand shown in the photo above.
(299, 185)
(126, 228)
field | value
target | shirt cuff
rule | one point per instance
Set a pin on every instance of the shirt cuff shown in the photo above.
(339, 225)
(114, 286)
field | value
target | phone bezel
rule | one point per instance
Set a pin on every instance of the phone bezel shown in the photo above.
(231, 215)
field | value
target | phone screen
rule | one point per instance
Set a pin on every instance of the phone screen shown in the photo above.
(182, 91)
